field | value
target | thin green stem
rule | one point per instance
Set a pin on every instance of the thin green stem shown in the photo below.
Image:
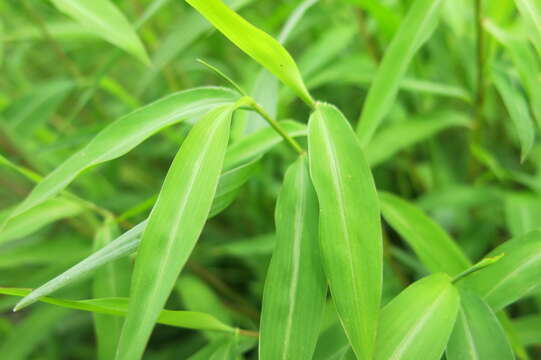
(479, 266)
(276, 126)
(224, 76)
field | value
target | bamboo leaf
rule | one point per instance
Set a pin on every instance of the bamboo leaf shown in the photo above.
(350, 230)
(516, 275)
(174, 226)
(518, 111)
(434, 247)
(119, 307)
(44, 214)
(124, 134)
(255, 43)
(530, 10)
(416, 27)
(295, 287)
(104, 19)
(418, 322)
(477, 334)
(528, 329)
(522, 212)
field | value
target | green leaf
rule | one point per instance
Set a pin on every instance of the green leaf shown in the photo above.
(350, 229)
(295, 286)
(255, 43)
(393, 139)
(525, 61)
(418, 322)
(119, 307)
(434, 247)
(518, 111)
(176, 221)
(107, 21)
(124, 134)
(44, 214)
(516, 275)
(530, 10)
(416, 27)
(110, 281)
(477, 334)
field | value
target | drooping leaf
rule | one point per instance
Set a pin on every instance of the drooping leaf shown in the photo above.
(174, 226)
(295, 286)
(119, 307)
(107, 21)
(413, 31)
(434, 247)
(124, 134)
(477, 334)
(350, 230)
(516, 275)
(518, 111)
(256, 43)
(418, 322)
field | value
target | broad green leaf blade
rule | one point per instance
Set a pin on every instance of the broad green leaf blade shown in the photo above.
(241, 161)
(414, 29)
(256, 43)
(45, 213)
(174, 226)
(434, 247)
(530, 11)
(119, 307)
(397, 137)
(418, 322)
(516, 275)
(350, 229)
(126, 133)
(107, 21)
(477, 334)
(518, 111)
(295, 286)
(110, 281)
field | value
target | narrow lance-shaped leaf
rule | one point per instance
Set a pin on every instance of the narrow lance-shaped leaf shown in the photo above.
(295, 287)
(124, 134)
(516, 275)
(104, 19)
(418, 322)
(477, 334)
(518, 111)
(434, 247)
(414, 29)
(110, 281)
(256, 43)
(174, 226)
(350, 228)
(119, 307)
(239, 164)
